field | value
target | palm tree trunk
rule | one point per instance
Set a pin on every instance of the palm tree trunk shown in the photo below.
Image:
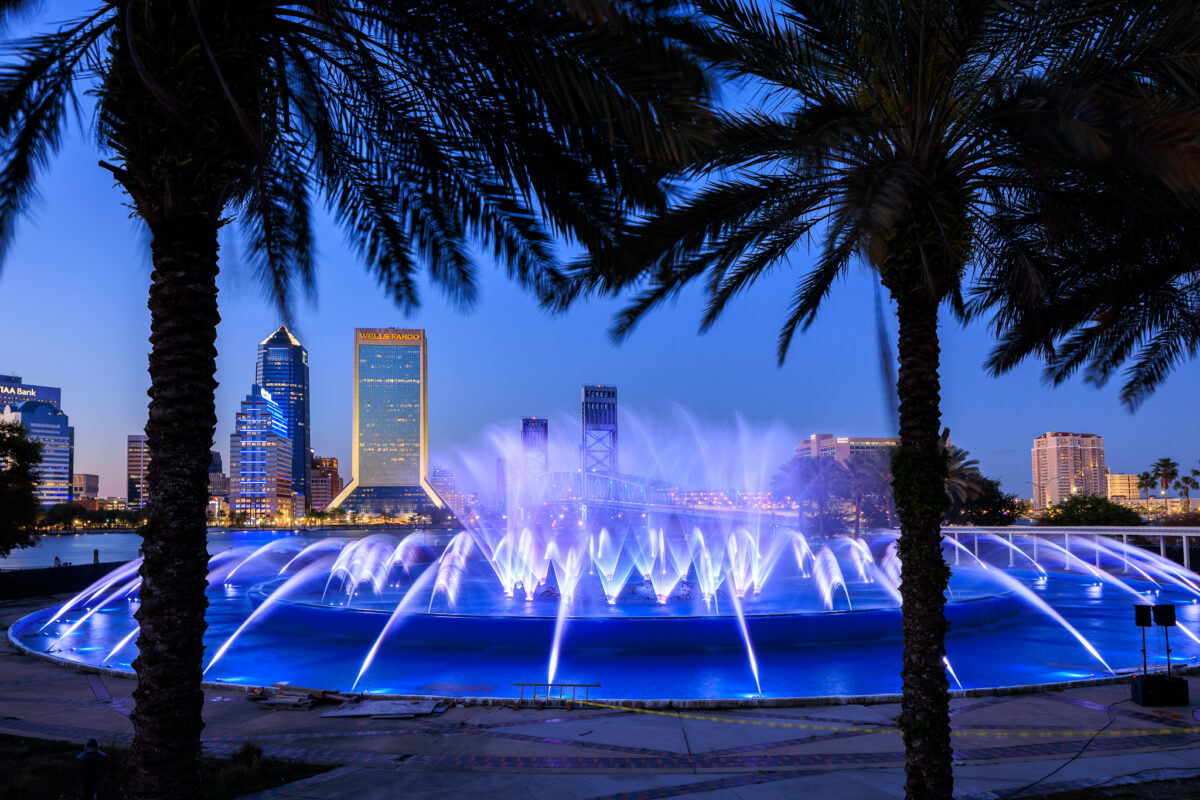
(918, 485)
(164, 761)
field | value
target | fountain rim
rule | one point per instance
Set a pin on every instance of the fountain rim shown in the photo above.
(704, 703)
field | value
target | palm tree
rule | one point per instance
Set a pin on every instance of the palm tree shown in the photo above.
(1186, 484)
(425, 126)
(964, 481)
(1164, 471)
(924, 139)
(812, 480)
(1146, 484)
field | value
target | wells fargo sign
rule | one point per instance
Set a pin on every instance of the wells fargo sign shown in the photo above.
(390, 337)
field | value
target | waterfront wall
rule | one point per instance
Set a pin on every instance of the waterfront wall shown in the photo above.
(19, 583)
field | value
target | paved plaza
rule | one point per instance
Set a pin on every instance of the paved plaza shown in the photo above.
(1017, 746)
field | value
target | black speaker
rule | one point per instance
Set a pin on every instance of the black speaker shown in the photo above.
(1141, 616)
(1164, 615)
(1159, 690)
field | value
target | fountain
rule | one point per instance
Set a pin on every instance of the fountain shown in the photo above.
(718, 611)
(603, 578)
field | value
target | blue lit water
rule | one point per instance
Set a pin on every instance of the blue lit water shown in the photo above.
(485, 642)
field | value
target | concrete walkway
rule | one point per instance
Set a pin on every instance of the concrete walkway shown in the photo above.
(1004, 747)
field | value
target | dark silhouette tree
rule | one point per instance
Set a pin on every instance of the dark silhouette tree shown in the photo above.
(1146, 485)
(1164, 471)
(1088, 509)
(810, 480)
(425, 127)
(928, 140)
(19, 460)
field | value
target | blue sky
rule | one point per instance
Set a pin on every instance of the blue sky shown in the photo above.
(74, 293)
(73, 289)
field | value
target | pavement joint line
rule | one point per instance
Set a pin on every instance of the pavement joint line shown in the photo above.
(991, 733)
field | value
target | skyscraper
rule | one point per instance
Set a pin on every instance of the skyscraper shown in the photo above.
(325, 481)
(260, 458)
(599, 411)
(390, 469)
(47, 424)
(535, 438)
(137, 464)
(13, 392)
(282, 370)
(1066, 464)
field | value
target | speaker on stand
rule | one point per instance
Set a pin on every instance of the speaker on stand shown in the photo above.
(1157, 690)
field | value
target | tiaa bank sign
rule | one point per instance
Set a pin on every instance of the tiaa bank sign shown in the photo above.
(14, 392)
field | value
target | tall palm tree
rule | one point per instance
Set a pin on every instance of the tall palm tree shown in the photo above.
(1164, 471)
(1146, 484)
(424, 126)
(964, 481)
(1186, 484)
(925, 139)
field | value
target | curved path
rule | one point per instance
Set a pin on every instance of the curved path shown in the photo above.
(1005, 747)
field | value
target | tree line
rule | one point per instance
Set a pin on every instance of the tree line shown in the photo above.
(833, 497)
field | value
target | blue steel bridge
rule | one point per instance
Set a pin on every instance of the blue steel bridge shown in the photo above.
(592, 496)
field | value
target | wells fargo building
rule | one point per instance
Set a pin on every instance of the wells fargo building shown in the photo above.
(390, 458)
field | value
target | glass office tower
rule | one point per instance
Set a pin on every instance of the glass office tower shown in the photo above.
(49, 425)
(390, 465)
(260, 458)
(282, 371)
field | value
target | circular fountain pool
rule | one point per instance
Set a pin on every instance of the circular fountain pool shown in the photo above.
(649, 614)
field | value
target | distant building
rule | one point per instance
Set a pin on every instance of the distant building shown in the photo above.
(218, 485)
(840, 448)
(282, 370)
(598, 409)
(47, 424)
(137, 465)
(1123, 487)
(535, 447)
(214, 464)
(13, 392)
(325, 482)
(85, 486)
(391, 425)
(260, 459)
(442, 481)
(1066, 464)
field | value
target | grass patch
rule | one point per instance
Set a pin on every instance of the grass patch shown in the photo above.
(40, 769)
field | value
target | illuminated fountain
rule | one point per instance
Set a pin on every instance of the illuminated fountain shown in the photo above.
(607, 579)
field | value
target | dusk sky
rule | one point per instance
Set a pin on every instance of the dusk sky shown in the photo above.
(74, 288)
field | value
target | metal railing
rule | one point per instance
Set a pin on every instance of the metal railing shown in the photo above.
(1187, 537)
(548, 697)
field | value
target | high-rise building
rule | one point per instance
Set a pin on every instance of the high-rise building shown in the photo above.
(391, 423)
(841, 448)
(214, 464)
(218, 485)
(325, 482)
(282, 371)
(260, 458)
(1123, 487)
(598, 450)
(85, 486)
(47, 424)
(1066, 464)
(13, 392)
(442, 481)
(137, 465)
(535, 442)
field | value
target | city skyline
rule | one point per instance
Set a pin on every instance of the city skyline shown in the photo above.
(509, 360)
